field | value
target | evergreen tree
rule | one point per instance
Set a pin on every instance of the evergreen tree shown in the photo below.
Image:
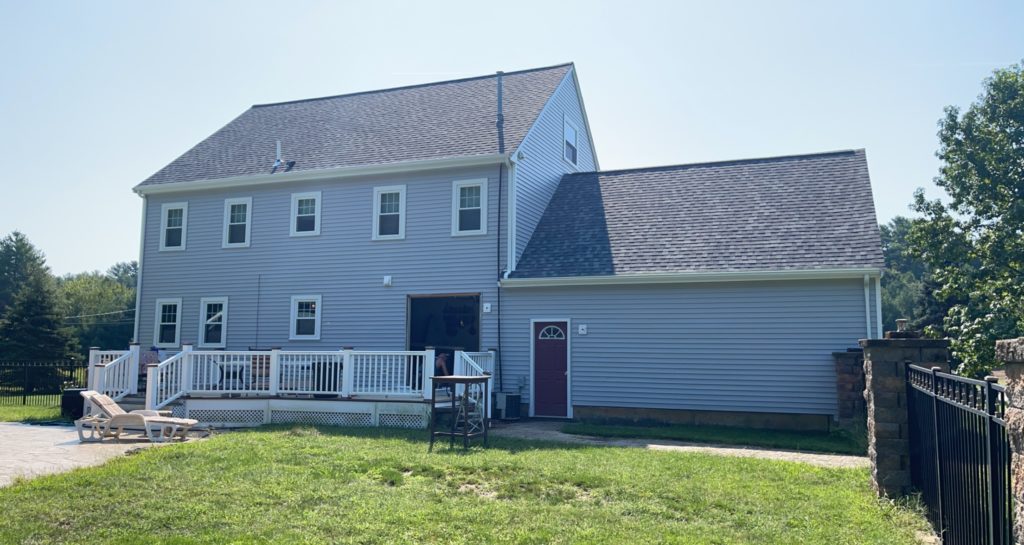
(33, 328)
(19, 260)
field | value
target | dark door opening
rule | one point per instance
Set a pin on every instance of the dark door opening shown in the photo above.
(448, 323)
(551, 369)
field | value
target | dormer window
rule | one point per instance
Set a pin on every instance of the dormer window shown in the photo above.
(570, 137)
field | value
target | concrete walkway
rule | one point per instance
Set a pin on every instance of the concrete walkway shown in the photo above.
(27, 450)
(550, 431)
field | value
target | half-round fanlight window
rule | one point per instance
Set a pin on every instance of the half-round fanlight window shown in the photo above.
(551, 332)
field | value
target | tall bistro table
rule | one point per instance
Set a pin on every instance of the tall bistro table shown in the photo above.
(468, 415)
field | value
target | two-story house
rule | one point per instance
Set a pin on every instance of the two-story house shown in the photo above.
(471, 216)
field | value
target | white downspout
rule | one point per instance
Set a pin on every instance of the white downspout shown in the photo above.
(878, 304)
(138, 273)
(867, 304)
(510, 245)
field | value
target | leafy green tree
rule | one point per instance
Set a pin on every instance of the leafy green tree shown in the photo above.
(19, 260)
(33, 327)
(100, 309)
(974, 241)
(125, 273)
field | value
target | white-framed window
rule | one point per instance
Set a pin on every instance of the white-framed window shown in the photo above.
(173, 222)
(237, 222)
(305, 317)
(389, 212)
(469, 207)
(305, 214)
(213, 322)
(167, 326)
(570, 139)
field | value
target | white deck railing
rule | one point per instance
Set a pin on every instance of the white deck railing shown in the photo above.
(476, 364)
(271, 373)
(114, 372)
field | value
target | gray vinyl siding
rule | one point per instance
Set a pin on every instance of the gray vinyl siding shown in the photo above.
(342, 264)
(542, 166)
(750, 347)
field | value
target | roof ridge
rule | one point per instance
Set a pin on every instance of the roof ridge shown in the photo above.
(413, 86)
(772, 158)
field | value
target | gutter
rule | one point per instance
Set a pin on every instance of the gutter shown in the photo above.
(691, 277)
(322, 174)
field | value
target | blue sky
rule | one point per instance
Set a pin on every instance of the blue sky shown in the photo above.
(96, 96)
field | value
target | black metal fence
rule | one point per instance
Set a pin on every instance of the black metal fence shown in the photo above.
(960, 455)
(39, 383)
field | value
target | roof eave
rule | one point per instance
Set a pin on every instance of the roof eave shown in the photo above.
(693, 277)
(322, 174)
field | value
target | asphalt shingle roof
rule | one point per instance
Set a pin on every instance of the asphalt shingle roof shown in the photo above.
(782, 213)
(431, 121)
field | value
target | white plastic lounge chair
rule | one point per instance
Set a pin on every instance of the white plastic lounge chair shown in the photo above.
(110, 420)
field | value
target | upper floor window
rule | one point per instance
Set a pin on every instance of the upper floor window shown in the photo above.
(173, 217)
(389, 212)
(570, 136)
(213, 319)
(469, 207)
(237, 222)
(305, 317)
(305, 214)
(167, 329)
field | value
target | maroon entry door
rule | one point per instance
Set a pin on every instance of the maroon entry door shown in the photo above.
(551, 369)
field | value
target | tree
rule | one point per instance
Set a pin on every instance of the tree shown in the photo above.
(100, 309)
(19, 259)
(908, 289)
(125, 273)
(974, 242)
(33, 328)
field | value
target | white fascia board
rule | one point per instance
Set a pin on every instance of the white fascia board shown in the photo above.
(689, 278)
(322, 174)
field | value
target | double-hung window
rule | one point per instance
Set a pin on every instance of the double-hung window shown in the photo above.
(305, 214)
(237, 222)
(469, 207)
(167, 327)
(570, 137)
(305, 317)
(173, 220)
(389, 212)
(213, 322)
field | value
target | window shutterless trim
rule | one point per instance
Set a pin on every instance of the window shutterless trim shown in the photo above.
(247, 201)
(296, 197)
(456, 186)
(377, 192)
(177, 323)
(164, 209)
(223, 321)
(296, 299)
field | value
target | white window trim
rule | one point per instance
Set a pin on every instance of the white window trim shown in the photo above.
(202, 322)
(293, 314)
(248, 222)
(567, 123)
(295, 212)
(156, 324)
(164, 209)
(458, 184)
(377, 191)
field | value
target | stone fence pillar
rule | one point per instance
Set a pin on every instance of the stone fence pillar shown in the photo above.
(885, 378)
(1011, 352)
(850, 386)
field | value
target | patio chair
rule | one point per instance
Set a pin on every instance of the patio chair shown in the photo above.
(112, 421)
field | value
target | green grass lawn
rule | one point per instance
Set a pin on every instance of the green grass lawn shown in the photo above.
(837, 441)
(305, 485)
(28, 413)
